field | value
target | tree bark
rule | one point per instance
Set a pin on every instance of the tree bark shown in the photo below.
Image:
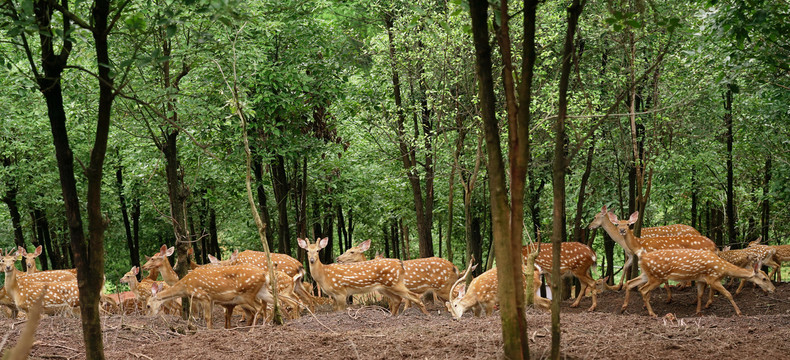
(694, 200)
(408, 157)
(577, 222)
(258, 169)
(730, 216)
(38, 240)
(558, 174)
(766, 205)
(134, 252)
(281, 188)
(510, 289)
(16, 219)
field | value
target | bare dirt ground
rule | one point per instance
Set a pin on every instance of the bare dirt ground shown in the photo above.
(370, 333)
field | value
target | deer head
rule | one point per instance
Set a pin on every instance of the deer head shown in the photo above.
(354, 254)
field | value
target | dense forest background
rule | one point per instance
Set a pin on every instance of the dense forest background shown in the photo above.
(365, 124)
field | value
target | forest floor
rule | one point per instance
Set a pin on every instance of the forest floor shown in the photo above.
(370, 333)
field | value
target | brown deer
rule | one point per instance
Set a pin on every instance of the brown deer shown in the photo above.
(30, 263)
(746, 257)
(575, 259)
(341, 280)
(142, 290)
(24, 290)
(668, 230)
(701, 266)
(227, 286)
(781, 255)
(621, 233)
(434, 274)
(283, 262)
(159, 264)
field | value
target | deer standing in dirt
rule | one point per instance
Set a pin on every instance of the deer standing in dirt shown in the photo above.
(701, 266)
(433, 274)
(746, 257)
(575, 259)
(341, 280)
(618, 230)
(25, 289)
(781, 254)
(227, 286)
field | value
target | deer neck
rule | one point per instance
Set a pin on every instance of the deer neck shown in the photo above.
(168, 274)
(317, 271)
(736, 271)
(611, 229)
(11, 285)
(633, 242)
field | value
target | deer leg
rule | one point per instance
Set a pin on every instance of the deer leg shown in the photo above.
(740, 286)
(726, 293)
(630, 285)
(700, 292)
(403, 292)
(228, 314)
(626, 268)
(669, 291)
(645, 291)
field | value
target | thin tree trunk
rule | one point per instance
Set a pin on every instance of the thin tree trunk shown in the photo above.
(38, 240)
(16, 218)
(280, 185)
(262, 201)
(134, 254)
(766, 205)
(694, 200)
(730, 216)
(577, 222)
(558, 175)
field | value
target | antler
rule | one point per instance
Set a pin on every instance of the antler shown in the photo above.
(461, 278)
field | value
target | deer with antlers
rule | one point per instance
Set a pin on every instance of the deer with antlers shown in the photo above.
(25, 289)
(341, 280)
(434, 274)
(701, 266)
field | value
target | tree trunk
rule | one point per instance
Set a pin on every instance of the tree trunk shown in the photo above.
(577, 222)
(16, 219)
(134, 252)
(262, 201)
(341, 231)
(408, 157)
(38, 240)
(694, 200)
(558, 175)
(730, 216)
(350, 231)
(177, 194)
(136, 227)
(281, 188)
(766, 205)
(505, 224)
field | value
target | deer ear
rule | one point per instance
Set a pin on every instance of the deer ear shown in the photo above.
(39, 249)
(461, 290)
(213, 259)
(603, 210)
(162, 250)
(170, 251)
(134, 270)
(302, 243)
(21, 251)
(154, 289)
(323, 242)
(365, 245)
(234, 255)
(634, 217)
(612, 217)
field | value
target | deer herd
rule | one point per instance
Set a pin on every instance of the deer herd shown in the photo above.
(675, 252)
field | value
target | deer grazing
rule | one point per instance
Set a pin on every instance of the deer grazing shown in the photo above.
(227, 286)
(424, 275)
(341, 280)
(25, 289)
(621, 233)
(745, 257)
(781, 255)
(701, 266)
(575, 259)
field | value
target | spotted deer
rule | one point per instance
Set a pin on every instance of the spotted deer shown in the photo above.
(30, 263)
(668, 230)
(746, 257)
(576, 259)
(227, 286)
(620, 232)
(283, 262)
(160, 264)
(142, 290)
(782, 255)
(341, 280)
(433, 274)
(24, 290)
(701, 266)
